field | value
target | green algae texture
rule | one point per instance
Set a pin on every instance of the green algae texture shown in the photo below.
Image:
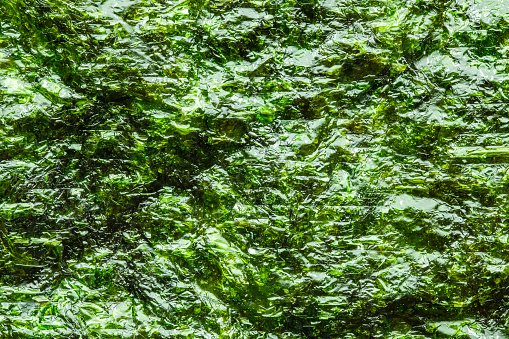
(254, 169)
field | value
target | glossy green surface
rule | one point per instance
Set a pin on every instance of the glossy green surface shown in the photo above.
(254, 169)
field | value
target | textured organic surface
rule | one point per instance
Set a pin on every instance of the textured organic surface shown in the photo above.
(254, 169)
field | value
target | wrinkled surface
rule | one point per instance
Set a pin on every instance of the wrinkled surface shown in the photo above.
(254, 169)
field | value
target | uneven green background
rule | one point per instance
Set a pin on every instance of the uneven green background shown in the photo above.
(254, 169)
